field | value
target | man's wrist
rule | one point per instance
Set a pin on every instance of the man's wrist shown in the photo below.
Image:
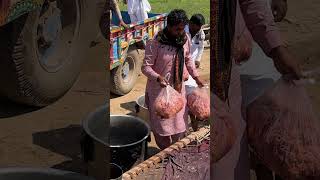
(275, 52)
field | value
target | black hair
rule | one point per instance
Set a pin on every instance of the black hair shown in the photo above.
(198, 19)
(176, 17)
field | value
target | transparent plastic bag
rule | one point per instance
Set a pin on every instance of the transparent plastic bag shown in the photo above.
(199, 103)
(224, 132)
(168, 103)
(284, 131)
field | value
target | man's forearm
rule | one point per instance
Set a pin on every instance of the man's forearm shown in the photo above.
(259, 20)
(116, 9)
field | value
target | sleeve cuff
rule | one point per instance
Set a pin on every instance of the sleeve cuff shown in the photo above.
(271, 40)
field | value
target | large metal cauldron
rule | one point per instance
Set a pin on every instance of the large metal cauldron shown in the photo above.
(39, 174)
(129, 138)
(124, 137)
(115, 172)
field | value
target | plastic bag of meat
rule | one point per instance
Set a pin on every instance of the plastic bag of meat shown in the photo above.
(199, 103)
(168, 103)
(284, 131)
(223, 130)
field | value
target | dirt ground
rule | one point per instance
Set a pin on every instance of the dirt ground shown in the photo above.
(301, 31)
(50, 137)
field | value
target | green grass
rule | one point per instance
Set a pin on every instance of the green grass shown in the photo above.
(190, 6)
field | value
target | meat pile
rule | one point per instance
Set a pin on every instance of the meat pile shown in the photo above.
(199, 103)
(168, 103)
(284, 131)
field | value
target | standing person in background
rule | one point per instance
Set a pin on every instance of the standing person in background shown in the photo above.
(169, 54)
(194, 30)
(138, 10)
(114, 8)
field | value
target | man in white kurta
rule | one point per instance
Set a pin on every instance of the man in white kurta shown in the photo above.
(195, 32)
(138, 10)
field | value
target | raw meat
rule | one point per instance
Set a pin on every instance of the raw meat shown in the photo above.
(168, 103)
(199, 103)
(223, 130)
(284, 131)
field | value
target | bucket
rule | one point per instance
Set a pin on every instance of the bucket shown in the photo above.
(124, 137)
(39, 174)
(116, 172)
(142, 110)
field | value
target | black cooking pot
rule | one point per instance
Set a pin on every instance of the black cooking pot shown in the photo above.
(95, 146)
(116, 172)
(129, 138)
(39, 174)
(121, 136)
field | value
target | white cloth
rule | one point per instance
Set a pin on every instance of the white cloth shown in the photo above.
(139, 16)
(138, 10)
(189, 90)
(197, 47)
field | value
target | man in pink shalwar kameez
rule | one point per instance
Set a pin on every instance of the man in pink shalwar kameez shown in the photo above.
(159, 62)
(255, 16)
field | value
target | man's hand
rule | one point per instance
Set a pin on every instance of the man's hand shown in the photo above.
(286, 63)
(279, 9)
(199, 82)
(197, 63)
(162, 81)
(124, 24)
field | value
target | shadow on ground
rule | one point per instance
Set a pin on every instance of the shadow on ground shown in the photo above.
(153, 151)
(66, 142)
(10, 109)
(112, 96)
(129, 106)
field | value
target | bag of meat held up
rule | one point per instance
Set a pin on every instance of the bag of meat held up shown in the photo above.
(284, 131)
(199, 103)
(168, 103)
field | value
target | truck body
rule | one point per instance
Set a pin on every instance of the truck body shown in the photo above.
(125, 62)
(121, 39)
